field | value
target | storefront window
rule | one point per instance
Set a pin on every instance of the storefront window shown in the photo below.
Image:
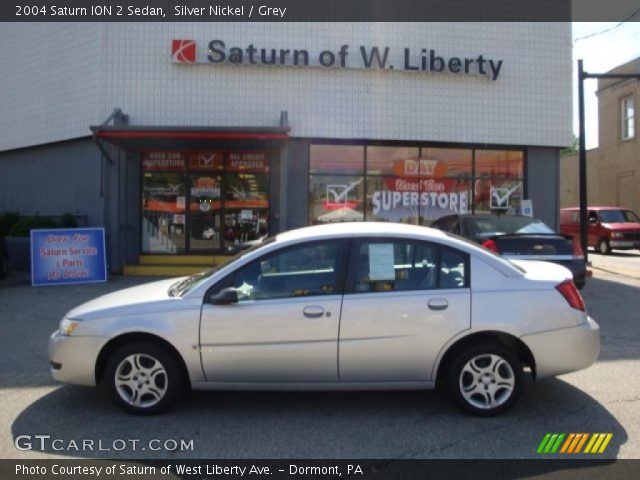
(246, 198)
(445, 182)
(393, 184)
(337, 159)
(498, 181)
(410, 184)
(336, 186)
(334, 198)
(204, 201)
(163, 212)
(205, 216)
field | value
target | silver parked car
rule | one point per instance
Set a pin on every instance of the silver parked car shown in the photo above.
(341, 306)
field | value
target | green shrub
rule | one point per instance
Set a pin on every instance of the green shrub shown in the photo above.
(23, 226)
(8, 220)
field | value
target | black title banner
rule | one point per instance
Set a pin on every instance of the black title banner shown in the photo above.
(390, 469)
(317, 10)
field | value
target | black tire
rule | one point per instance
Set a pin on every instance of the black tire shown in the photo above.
(4, 266)
(484, 386)
(159, 391)
(603, 247)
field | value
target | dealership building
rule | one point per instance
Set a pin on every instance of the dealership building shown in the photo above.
(190, 139)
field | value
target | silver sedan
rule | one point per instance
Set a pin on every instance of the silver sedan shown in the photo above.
(335, 307)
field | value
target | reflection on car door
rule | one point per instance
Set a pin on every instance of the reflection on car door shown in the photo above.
(404, 300)
(285, 325)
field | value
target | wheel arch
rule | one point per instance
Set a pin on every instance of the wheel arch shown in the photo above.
(131, 337)
(506, 340)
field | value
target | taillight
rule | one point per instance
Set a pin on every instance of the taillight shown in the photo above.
(491, 245)
(570, 293)
(577, 248)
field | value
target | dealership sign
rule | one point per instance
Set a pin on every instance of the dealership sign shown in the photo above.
(68, 256)
(426, 60)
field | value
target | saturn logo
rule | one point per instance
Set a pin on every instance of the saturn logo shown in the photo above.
(183, 51)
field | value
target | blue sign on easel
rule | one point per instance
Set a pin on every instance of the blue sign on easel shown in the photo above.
(68, 256)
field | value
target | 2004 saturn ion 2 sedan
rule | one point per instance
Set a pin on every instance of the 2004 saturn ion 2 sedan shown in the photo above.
(342, 307)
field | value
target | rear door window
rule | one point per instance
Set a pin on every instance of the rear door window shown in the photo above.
(386, 265)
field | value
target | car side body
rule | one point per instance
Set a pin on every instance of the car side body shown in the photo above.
(341, 324)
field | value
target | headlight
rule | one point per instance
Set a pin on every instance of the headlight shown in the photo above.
(68, 325)
(616, 235)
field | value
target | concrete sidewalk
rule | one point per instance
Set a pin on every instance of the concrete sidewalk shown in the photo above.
(619, 262)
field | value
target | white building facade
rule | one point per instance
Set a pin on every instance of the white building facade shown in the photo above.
(230, 131)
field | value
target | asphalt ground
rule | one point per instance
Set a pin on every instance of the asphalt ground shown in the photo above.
(232, 425)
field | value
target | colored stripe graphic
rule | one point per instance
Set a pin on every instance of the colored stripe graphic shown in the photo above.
(572, 443)
(598, 443)
(565, 447)
(582, 441)
(543, 443)
(550, 443)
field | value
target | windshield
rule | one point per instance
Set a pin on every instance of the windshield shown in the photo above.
(506, 224)
(618, 216)
(185, 285)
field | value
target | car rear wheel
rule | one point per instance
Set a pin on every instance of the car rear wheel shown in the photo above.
(143, 378)
(485, 380)
(603, 246)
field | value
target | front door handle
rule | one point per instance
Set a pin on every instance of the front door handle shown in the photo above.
(313, 311)
(438, 303)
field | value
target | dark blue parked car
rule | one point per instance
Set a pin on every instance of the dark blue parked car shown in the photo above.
(519, 237)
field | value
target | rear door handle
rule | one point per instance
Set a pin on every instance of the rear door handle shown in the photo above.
(313, 311)
(438, 303)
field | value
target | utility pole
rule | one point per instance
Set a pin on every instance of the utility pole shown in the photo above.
(582, 76)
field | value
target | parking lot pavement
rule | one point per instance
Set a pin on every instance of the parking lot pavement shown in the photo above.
(603, 398)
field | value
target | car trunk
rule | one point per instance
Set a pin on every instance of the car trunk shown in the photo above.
(529, 245)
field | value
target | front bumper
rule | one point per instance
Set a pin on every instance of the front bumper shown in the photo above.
(73, 358)
(624, 244)
(566, 350)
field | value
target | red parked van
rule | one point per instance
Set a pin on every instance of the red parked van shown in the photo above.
(609, 227)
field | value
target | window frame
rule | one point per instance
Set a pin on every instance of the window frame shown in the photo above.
(341, 273)
(627, 133)
(350, 283)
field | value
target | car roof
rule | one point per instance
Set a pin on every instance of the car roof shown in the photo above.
(359, 228)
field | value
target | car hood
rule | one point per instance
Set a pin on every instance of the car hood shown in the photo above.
(623, 227)
(543, 271)
(129, 299)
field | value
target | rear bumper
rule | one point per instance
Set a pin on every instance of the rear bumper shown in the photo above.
(566, 350)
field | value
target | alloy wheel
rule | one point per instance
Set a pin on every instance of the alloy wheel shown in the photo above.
(141, 380)
(487, 381)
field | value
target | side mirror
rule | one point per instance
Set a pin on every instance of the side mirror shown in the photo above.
(226, 296)
(593, 221)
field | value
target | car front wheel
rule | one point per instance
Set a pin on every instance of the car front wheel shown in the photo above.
(143, 378)
(485, 380)
(603, 247)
